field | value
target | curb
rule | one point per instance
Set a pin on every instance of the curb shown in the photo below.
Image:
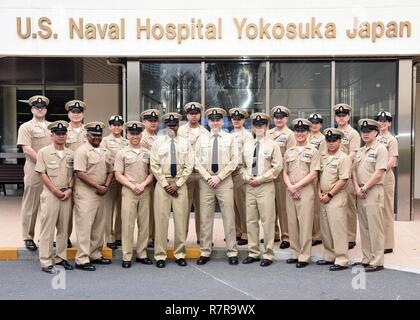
(15, 253)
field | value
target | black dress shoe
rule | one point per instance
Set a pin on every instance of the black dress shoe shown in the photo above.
(69, 244)
(50, 269)
(337, 267)
(316, 242)
(65, 264)
(181, 262)
(250, 259)
(324, 263)
(126, 264)
(284, 245)
(388, 251)
(301, 264)
(242, 242)
(370, 268)
(118, 243)
(160, 263)
(265, 262)
(85, 267)
(238, 238)
(151, 243)
(233, 261)
(292, 261)
(352, 244)
(101, 260)
(203, 260)
(112, 245)
(360, 264)
(30, 245)
(277, 240)
(146, 261)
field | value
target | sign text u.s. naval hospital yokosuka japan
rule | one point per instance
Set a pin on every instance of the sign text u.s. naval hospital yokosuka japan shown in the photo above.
(295, 30)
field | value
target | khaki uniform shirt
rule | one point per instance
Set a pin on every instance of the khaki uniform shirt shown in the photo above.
(114, 145)
(147, 140)
(284, 137)
(390, 143)
(75, 139)
(298, 163)
(270, 160)
(97, 166)
(242, 136)
(59, 170)
(351, 140)
(160, 160)
(227, 152)
(133, 165)
(368, 160)
(333, 168)
(34, 135)
(318, 141)
(186, 132)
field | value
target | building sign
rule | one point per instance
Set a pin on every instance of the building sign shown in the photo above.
(306, 29)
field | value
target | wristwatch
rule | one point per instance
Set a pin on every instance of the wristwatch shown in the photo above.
(363, 190)
(330, 195)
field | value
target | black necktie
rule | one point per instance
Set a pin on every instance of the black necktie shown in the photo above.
(215, 155)
(173, 159)
(255, 159)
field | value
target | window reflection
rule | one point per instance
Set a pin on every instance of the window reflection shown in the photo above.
(368, 87)
(303, 87)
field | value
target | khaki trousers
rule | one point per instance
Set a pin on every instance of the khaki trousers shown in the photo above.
(193, 186)
(224, 194)
(300, 216)
(316, 230)
(135, 208)
(239, 204)
(389, 191)
(163, 204)
(351, 211)
(55, 213)
(89, 224)
(334, 229)
(281, 232)
(152, 215)
(260, 205)
(30, 201)
(371, 226)
(113, 212)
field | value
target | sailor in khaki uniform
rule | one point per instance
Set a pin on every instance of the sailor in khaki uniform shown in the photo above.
(285, 139)
(55, 167)
(370, 165)
(191, 131)
(349, 145)
(238, 116)
(301, 166)
(76, 136)
(150, 119)
(131, 168)
(113, 143)
(93, 168)
(262, 163)
(32, 136)
(76, 132)
(216, 157)
(391, 144)
(335, 172)
(171, 161)
(317, 140)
